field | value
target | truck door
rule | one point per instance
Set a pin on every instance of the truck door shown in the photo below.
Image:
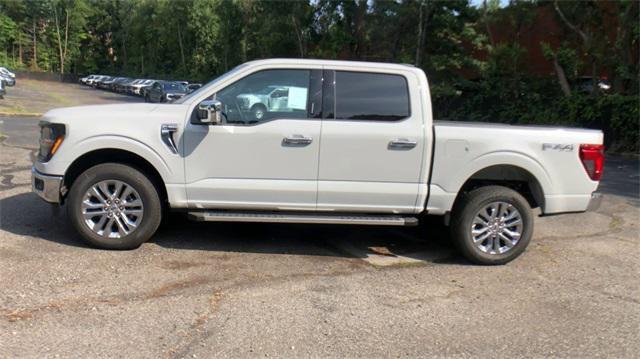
(266, 159)
(372, 142)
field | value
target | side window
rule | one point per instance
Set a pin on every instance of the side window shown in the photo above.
(371, 96)
(266, 95)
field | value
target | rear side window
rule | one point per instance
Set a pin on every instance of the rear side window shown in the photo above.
(371, 96)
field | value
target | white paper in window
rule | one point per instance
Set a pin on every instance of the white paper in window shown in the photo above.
(297, 98)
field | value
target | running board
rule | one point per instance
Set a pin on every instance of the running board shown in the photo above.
(380, 220)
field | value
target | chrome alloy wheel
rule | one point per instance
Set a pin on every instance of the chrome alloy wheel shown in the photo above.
(259, 113)
(496, 228)
(112, 209)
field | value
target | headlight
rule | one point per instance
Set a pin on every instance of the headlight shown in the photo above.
(51, 137)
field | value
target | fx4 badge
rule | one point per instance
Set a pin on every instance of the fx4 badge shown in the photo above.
(557, 147)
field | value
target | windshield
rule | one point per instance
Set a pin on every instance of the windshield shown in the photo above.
(173, 86)
(204, 87)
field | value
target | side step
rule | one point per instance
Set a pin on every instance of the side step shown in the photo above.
(267, 217)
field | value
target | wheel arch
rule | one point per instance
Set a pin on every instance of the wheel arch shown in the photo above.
(507, 175)
(115, 155)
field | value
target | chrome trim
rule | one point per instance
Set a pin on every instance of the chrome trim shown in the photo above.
(166, 133)
(50, 191)
(386, 220)
(596, 200)
(402, 144)
(297, 140)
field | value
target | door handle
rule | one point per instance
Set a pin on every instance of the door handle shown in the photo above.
(402, 144)
(296, 140)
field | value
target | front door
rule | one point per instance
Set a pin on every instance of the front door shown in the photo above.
(261, 156)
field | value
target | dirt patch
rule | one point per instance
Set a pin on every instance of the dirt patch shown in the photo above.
(35, 97)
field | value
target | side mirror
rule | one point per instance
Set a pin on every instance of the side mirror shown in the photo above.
(209, 112)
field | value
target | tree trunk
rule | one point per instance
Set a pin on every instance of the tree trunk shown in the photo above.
(485, 15)
(20, 47)
(360, 28)
(298, 32)
(34, 65)
(562, 77)
(423, 21)
(61, 52)
(184, 65)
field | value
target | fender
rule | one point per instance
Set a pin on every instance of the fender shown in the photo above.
(443, 195)
(89, 144)
(512, 158)
(128, 144)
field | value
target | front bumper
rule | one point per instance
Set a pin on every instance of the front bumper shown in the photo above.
(596, 200)
(46, 186)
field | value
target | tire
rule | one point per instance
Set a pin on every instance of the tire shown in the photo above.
(473, 212)
(258, 112)
(143, 200)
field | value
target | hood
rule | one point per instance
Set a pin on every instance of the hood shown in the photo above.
(95, 111)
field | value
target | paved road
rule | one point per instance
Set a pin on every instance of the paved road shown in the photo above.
(229, 290)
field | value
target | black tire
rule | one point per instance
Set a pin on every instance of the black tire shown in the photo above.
(469, 205)
(258, 112)
(149, 196)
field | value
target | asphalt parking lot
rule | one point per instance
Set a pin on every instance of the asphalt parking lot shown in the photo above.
(255, 290)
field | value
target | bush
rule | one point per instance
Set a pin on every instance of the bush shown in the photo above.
(538, 101)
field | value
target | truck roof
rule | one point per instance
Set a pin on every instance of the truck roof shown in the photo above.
(316, 62)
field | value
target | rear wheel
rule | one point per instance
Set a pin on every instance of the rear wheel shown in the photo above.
(491, 225)
(114, 206)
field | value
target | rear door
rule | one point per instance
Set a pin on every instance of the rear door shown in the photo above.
(372, 142)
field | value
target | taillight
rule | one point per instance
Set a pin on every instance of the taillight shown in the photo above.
(592, 157)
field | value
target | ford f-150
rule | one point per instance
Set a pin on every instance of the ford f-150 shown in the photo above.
(355, 143)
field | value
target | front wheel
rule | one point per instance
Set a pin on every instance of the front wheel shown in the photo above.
(258, 112)
(491, 225)
(114, 206)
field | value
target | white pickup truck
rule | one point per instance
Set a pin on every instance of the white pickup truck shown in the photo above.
(354, 144)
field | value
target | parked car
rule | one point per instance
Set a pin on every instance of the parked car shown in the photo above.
(91, 81)
(164, 91)
(8, 80)
(99, 82)
(193, 87)
(273, 98)
(119, 83)
(585, 84)
(364, 150)
(83, 80)
(7, 72)
(138, 89)
(108, 83)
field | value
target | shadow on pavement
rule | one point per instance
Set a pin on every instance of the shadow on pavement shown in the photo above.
(26, 215)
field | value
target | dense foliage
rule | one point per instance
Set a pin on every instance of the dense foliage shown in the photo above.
(474, 55)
